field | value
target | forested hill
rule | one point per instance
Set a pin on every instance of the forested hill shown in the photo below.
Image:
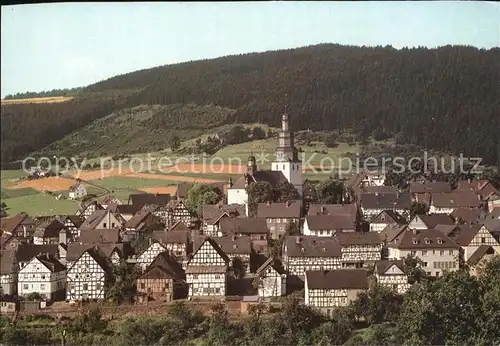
(445, 98)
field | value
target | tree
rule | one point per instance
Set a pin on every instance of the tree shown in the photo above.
(285, 192)
(3, 209)
(259, 192)
(418, 209)
(258, 133)
(237, 134)
(200, 194)
(331, 141)
(413, 269)
(270, 133)
(330, 192)
(175, 143)
(378, 304)
(125, 281)
(34, 296)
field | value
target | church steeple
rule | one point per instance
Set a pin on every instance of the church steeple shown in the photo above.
(286, 150)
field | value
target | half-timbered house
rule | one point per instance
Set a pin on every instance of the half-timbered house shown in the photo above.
(88, 208)
(279, 216)
(302, 253)
(207, 270)
(255, 228)
(21, 226)
(445, 203)
(145, 258)
(359, 248)
(45, 275)
(472, 237)
(72, 224)
(102, 219)
(89, 276)
(212, 214)
(49, 231)
(391, 274)
(271, 276)
(177, 211)
(8, 272)
(326, 290)
(386, 217)
(238, 249)
(327, 225)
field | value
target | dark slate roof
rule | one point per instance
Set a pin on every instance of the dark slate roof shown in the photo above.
(200, 240)
(137, 219)
(392, 231)
(168, 262)
(49, 229)
(478, 255)
(51, 262)
(330, 222)
(213, 212)
(456, 199)
(275, 263)
(357, 238)
(463, 234)
(379, 189)
(337, 279)
(422, 239)
(243, 225)
(432, 220)
(141, 199)
(182, 189)
(7, 262)
(179, 226)
(76, 220)
(382, 266)
(430, 187)
(312, 246)
(124, 209)
(492, 225)
(75, 250)
(233, 245)
(334, 209)
(273, 177)
(289, 209)
(25, 252)
(467, 215)
(96, 236)
(171, 237)
(390, 216)
(9, 224)
(386, 201)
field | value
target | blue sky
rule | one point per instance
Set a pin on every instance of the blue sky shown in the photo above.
(48, 46)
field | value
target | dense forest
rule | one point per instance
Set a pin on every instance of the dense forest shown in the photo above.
(457, 309)
(445, 98)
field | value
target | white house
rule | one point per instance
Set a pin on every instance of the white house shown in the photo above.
(45, 275)
(446, 203)
(327, 225)
(88, 277)
(77, 191)
(8, 272)
(272, 279)
(390, 274)
(148, 255)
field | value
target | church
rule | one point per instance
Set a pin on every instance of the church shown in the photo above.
(286, 167)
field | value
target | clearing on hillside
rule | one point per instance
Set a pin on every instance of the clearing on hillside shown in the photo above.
(54, 99)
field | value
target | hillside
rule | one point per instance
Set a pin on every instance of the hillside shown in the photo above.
(138, 129)
(445, 98)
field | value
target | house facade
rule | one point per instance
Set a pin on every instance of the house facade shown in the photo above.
(147, 256)
(271, 278)
(206, 271)
(177, 211)
(77, 191)
(326, 290)
(359, 248)
(45, 275)
(279, 216)
(390, 274)
(327, 225)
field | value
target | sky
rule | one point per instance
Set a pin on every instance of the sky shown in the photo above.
(65, 45)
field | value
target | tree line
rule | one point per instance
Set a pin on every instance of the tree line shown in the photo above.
(444, 98)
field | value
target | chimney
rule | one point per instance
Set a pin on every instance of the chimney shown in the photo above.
(323, 209)
(297, 240)
(268, 203)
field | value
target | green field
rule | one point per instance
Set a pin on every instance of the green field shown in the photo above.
(10, 193)
(11, 176)
(115, 183)
(40, 204)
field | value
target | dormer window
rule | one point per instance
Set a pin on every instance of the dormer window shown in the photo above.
(234, 246)
(323, 249)
(439, 241)
(427, 241)
(302, 250)
(415, 241)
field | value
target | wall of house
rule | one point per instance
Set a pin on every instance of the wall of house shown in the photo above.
(86, 279)
(206, 284)
(35, 277)
(147, 257)
(273, 284)
(109, 221)
(436, 261)
(438, 210)
(237, 196)
(299, 265)
(377, 227)
(8, 282)
(158, 289)
(483, 237)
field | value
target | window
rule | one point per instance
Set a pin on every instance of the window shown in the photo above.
(217, 290)
(42, 286)
(217, 277)
(483, 240)
(113, 225)
(424, 252)
(85, 287)
(437, 274)
(25, 286)
(429, 273)
(98, 286)
(451, 252)
(413, 253)
(441, 253)
(104, 225)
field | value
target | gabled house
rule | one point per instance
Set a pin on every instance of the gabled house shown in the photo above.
(8, 242)
(162, 212)
(26, 252)
(178, 242)
(302, 253)
(88, 208)
(147, 257)
(359, 248)
(445, 203)
(43, 274)
(72, 223)
(108, 200)
(140, 223)
(327, 290)
(126, 211)
(482, 187)
(255, 228)
(466, 215)
(212, 214)
(378, 189)
(391, 274)
(163, 280)
(438, 251)
(482, 255)
(237, 249)
(77, 191)
(327, 225)
(177, 211)
(272, 279)
(89, 276)
(386, 217)
(113, 252)
(49, 231)
(472, 237)
(8, 272)
(21, 226)
(421, 193)
(102, 219)
(430, 221)
(279, 216)
(373, 204)
(207, 270)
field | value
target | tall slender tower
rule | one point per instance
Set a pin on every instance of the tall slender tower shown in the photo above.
(287, 157)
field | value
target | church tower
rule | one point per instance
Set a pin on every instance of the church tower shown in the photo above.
(287, 157)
